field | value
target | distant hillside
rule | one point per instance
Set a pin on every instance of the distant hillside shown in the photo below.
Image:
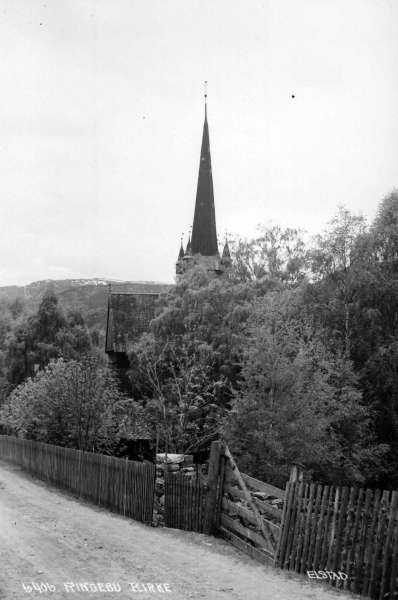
(34, 291)
(89, 296)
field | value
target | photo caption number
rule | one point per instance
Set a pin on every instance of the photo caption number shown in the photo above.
(38, 587)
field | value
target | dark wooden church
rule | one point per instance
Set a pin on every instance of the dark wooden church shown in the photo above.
(131, 307)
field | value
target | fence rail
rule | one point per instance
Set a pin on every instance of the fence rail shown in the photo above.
(123, 486)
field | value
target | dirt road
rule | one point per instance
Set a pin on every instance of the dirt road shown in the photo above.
(48, 537)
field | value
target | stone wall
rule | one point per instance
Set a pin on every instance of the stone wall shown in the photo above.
(172, 463)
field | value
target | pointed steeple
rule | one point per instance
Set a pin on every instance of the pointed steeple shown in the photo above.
(226, 253)
(180, 259)
(204, 233)
(188, 249)
(181, 252)
(226, 260)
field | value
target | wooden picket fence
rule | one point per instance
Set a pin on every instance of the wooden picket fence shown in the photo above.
(123, 486)
(184, 502)
(353, 531)
(320, 529)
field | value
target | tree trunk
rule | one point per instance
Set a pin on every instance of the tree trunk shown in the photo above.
(347, 330)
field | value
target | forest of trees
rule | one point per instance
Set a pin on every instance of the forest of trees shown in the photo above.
(291, 358)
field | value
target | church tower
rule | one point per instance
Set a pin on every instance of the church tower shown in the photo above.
(202, 247)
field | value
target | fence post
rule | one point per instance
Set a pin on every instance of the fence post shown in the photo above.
(210, 516)
(125, 485)
(295, 476)
(293, 473)
(220, 491)
(80, 472)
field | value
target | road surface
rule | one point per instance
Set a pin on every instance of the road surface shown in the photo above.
(70, 547)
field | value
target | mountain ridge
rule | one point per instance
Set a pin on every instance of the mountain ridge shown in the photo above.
(35, 288)
(88, 296)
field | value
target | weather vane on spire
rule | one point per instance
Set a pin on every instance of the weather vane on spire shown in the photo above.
(205, 88)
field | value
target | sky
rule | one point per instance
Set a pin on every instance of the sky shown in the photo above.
(101, 116)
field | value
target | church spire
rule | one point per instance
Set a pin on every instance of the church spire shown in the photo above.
(226, 253)
(188, 250)
(181, 252)
(204, 233)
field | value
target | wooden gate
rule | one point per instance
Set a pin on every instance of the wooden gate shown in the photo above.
(249, 511)
(184, 502)
(245, 511)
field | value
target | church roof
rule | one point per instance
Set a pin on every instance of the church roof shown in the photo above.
(204, 233)
(131, 308)
(140, 287)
